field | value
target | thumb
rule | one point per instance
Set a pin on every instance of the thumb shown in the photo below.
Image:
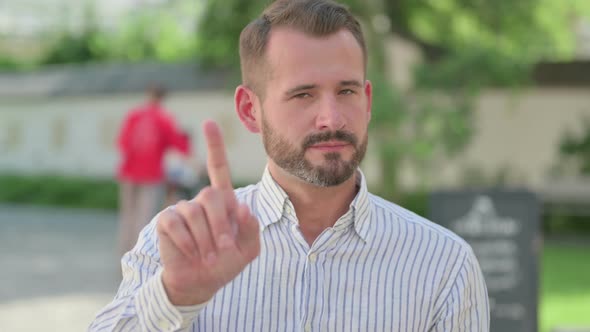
(248, 237)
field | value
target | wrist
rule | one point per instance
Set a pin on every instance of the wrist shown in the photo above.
(183, 297)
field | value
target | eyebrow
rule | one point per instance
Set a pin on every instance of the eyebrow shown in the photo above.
(305, 87)
(300, 88)
(351, 83)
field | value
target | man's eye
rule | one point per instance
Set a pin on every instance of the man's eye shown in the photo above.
(346, 92)
(302, 95)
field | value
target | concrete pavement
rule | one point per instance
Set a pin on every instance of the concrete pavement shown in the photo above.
(57, 267)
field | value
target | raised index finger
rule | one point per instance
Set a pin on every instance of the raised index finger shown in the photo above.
(217, 166)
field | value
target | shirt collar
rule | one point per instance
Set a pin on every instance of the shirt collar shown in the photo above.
(272, 203)
(271, 200)
(361, 207)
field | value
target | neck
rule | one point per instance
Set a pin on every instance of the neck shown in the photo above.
(317, 208)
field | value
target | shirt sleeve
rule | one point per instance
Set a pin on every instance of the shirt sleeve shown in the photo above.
(174, 137)
(466, 308)
(124, 132)
(141, 303)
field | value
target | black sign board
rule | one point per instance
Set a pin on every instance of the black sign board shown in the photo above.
(502, 227)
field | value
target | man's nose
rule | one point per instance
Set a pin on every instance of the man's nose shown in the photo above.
(329, 115)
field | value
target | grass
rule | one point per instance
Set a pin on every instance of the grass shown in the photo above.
(565, 287)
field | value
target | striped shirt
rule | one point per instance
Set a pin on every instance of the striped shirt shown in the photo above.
(379, 268)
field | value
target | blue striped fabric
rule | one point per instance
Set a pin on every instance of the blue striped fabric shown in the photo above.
(379, 268)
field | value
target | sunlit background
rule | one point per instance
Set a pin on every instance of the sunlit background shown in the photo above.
(469, 95)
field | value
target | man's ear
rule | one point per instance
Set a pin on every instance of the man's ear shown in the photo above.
(245, 99)
(369, 95)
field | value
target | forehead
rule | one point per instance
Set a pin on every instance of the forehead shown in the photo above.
(295, 56)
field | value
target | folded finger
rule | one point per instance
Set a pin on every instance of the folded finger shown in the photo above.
(173, 226)
(217, 214)
(199, 228)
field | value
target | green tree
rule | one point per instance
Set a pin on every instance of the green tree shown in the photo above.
(76, 47)
(163, 33)
(69, 48)
(469, 45)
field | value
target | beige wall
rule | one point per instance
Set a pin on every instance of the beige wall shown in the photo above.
(520, 132)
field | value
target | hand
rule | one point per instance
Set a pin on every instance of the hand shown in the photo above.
(207, 241)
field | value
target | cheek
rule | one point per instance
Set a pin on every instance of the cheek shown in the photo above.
(359, 124)
(294, 124)
(284, 128)
(354, 107)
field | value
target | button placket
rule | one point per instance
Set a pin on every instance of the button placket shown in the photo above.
(313, 257)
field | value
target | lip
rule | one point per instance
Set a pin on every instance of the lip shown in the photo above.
(330, 146)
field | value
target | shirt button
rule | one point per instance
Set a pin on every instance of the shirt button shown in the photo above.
(313, 257)
(308, 327)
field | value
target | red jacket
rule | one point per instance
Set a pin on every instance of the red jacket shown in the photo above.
(147, 132)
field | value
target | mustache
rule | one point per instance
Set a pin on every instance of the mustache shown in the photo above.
(338, 135)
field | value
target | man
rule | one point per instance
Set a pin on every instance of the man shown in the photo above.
(307, 248)
(146, 134)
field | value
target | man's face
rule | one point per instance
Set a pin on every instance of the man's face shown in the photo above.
(316, 109)
(334, 169)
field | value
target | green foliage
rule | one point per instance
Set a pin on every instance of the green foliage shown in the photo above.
(69, 48)
(151, 33)
(64, 191)
(10, 64)
(53, 190)
(76, 47)
(472, 69)
(420, 128)
(528, 29)
(575, 149)
(560, 221)
(389, 113)
(220, 27)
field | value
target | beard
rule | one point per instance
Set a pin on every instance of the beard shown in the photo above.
(333, 170)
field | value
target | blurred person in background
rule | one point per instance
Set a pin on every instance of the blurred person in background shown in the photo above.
(185, 175)
(147, 133)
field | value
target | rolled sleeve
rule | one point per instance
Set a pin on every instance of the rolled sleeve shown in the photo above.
(157, 313)
(141, 304)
